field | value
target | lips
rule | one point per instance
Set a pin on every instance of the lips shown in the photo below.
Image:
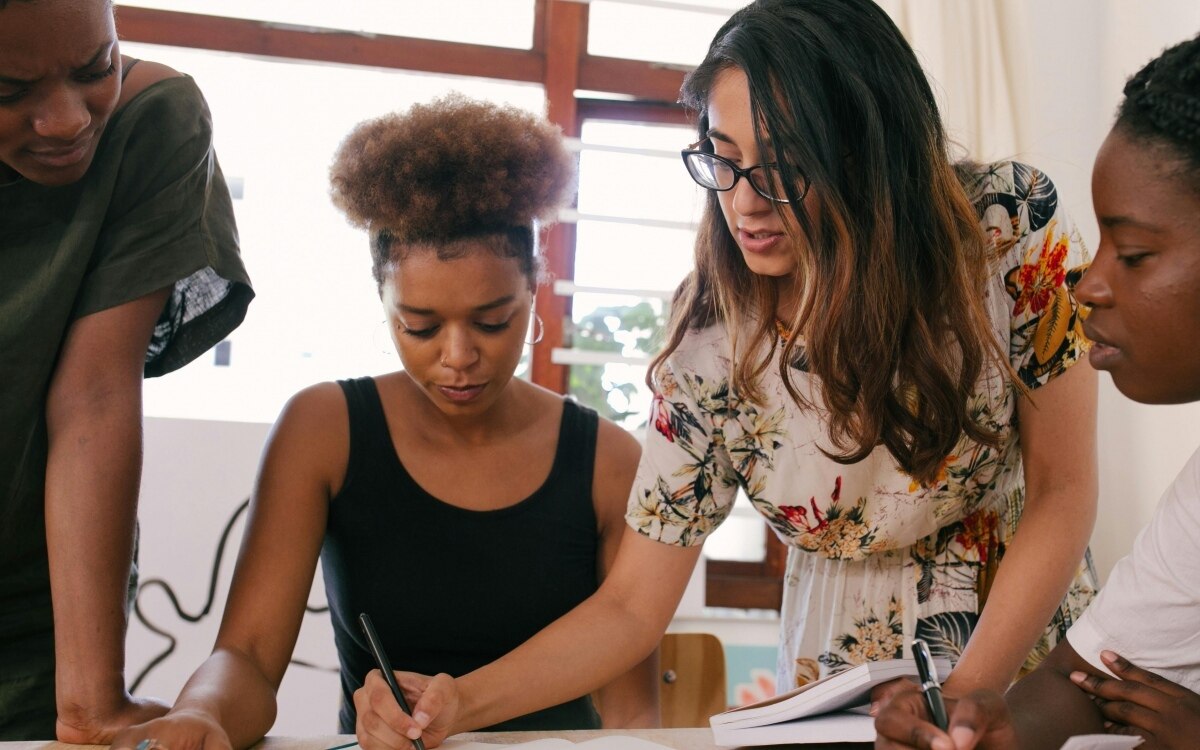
(461, 394)
(758, 240)
(63, 156)
(1103, 354)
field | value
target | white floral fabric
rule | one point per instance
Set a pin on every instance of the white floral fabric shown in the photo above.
(875, 558)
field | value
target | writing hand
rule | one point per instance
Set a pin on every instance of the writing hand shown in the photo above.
(1141, 702)
(383, 726)
(881, 695)
(979, 720)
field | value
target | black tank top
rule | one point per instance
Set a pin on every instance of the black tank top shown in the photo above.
(450, 589)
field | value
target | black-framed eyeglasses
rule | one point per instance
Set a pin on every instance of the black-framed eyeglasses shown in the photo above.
(720, 174)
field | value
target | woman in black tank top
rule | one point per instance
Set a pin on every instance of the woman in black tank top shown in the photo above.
(463, 508)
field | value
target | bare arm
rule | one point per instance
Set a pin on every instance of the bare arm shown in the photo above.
(94, 422)
(602, 638)
(632, 699)
(230, 700)
(1047, 707)
(1058, 446)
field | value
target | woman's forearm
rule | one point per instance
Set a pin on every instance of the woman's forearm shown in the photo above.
(632, 700)
(586, 648)
(230, 689)
(92, 477)
(590, 646)
(1037, 570)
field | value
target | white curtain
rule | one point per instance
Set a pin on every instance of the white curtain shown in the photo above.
(961, 45)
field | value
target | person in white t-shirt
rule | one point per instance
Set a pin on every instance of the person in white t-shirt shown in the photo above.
(1131, 663)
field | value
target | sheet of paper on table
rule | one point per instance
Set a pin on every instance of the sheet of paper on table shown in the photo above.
(1101, 742)
(842, 726)
(601, 743)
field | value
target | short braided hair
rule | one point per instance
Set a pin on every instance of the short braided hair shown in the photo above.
(1162, 104)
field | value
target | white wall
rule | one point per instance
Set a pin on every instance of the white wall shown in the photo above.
(1075, 56)
(195, 474)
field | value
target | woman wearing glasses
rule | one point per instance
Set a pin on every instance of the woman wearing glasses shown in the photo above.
(865, 328)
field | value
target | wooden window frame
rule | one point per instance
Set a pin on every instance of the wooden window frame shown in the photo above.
(557, 59)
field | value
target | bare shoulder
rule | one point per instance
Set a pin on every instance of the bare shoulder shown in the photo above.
(312, 433)
(320, 408)
(616, 448)
(143, 75)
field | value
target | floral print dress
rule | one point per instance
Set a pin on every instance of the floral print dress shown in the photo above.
(875, 558)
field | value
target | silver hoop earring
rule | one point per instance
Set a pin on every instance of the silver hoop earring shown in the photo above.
(539, 329)
(384, 348)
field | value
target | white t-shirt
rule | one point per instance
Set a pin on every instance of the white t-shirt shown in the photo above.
(1149, 612)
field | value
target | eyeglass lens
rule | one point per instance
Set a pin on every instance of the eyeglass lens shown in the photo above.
(716, 174)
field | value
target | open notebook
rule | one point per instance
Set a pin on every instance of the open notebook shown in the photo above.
(832, 709)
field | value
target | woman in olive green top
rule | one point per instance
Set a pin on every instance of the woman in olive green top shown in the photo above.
(118, 258)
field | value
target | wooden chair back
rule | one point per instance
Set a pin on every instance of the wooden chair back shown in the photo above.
(692, 669)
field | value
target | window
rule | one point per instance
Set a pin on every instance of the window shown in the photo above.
(634, 243)
(634, 233)
(498, 23)
(674, 32)
(317, 315)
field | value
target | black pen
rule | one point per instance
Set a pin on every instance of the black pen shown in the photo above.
(385, 666)
(929, 684)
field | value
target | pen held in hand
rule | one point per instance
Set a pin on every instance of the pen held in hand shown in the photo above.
(385, 666)
(930, 686)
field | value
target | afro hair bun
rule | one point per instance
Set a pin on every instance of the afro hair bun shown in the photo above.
(452, 168)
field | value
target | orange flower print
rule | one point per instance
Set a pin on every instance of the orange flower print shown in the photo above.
(978, 529)
(1036, 283)
(939, 480)
(807, 670)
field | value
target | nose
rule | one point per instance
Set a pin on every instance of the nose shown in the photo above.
(1093, 289)
(459, 351)
(746, 200)
(63, 115)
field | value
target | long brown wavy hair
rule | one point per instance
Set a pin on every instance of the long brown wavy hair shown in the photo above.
(892, 263)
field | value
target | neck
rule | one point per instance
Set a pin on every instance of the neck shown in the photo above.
(788, 297)
(502, 419)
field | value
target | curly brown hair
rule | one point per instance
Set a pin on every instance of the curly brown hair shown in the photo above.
(450, 170)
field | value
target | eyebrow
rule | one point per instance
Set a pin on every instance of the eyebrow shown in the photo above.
(717, 135)
(105, 47)
(500, 302)
(1116, 222)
